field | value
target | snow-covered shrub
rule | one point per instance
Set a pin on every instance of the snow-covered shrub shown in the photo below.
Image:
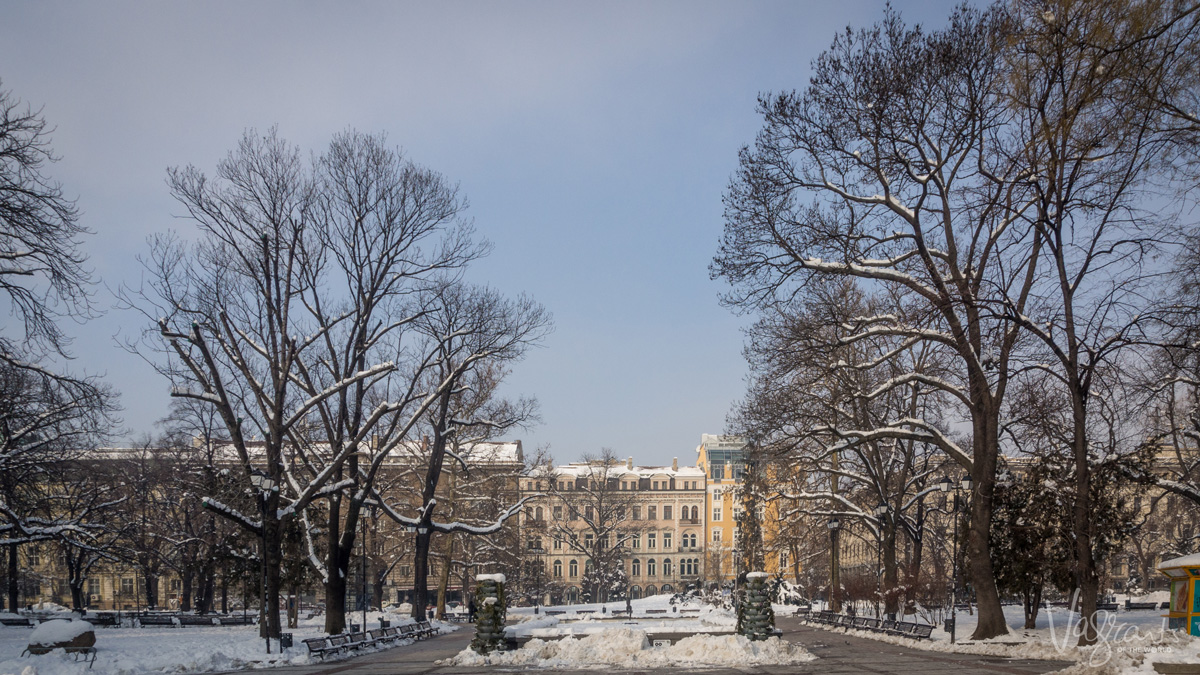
(756, 619)
(490, 613)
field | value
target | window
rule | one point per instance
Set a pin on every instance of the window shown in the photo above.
(666, 567)
(406, 570)
(651, 540)
(574, 568)
(176, 585)
(93, 587)
(588, 538)
(696, 513)
(637, 513)
(666, 541)
(667, 512)
(636, 568)
(558, 513)
(558, 543)
(636, 541)
(654, 485)
(127, 586)
(561, 486)
(650, 567)
(34, 557)
(534, 544)
(651, 513)
(716, 514)
(689, 540)
(716, 535)
(783, 559)
(737, 513)
(557, 569)
(537, 514)
(588, 513)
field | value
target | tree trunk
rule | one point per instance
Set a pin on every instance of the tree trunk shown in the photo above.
(1033, 600)
(421, 574)
(891, 604)
(444, 578)
(294, 608)
(983, 578)
(151, 581)
(224, 595)
(14, 586)
(274, 561)
(77, 598)
(336, 564)
(1086, 579)
(185, 597)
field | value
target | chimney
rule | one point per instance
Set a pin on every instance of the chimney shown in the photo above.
(629, 464)
(674, 463)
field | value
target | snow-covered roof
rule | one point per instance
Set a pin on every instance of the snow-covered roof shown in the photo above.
(618, 471)
(1192, 560)
(503, 452)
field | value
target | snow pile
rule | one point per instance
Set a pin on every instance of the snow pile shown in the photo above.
(145, 651)
(58, 631)
(629, 648)
(498, 578)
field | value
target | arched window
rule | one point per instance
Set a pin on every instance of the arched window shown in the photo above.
(650, 567)
(557, 569)
(573, 568)
(572, 594)
(635, 592)
(666, 568)
(695, 513)
(537, 513)
(636, 568)
(650, 590)
(667, 588)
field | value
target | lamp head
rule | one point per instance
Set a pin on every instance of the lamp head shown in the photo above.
(944, 484)
(967, 482)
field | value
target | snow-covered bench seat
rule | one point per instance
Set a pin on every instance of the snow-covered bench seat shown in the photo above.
(196, 620)
(320, 647)
(157, 620)
(238, 620)
(20, 622)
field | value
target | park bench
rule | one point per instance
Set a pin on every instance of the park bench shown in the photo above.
(845, 621)
(887, 626)
(425, 629)
(238, 620)
(866, 623)
(103, 620)
(22, 622)
(550, 612)
(358, 640)
(1106, 606)
(319, 647)
(1165, 605)
(339, 643)
(691, 610)
(157, 620)
(655, 611)
(409, 630)
(1140, 605)
(920, 631)
(196, 620)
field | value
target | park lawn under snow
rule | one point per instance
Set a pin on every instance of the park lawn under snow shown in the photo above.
(190, 649)
(629, 648)
(1130, 641)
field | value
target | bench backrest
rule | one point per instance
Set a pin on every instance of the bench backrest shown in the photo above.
(390, 631)
(424, 625)
(315, 643)
(338, 640)
(922, 630)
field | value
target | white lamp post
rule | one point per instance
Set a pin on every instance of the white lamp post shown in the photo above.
(265, 485)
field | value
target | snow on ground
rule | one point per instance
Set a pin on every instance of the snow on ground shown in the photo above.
(1129, 641)
(190, 649)
(641, 607)
(629, 648)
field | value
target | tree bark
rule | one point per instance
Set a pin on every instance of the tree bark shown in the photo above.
(421, 574)
(983, 579)
(151, 582)
(444, 578)
(14, 586)
(185, 596)
(1086, 578)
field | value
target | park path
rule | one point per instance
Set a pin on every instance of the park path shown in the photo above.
(836, 652)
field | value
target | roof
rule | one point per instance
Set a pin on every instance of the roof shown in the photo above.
(1192, 560)
(622, 470)
(501, 452)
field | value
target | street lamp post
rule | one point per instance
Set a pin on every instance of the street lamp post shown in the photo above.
(364, 600)
(265, 485)
(881, 512)
(835, 600)
(947, 485)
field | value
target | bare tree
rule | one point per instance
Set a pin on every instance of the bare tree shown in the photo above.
(595, 516)
(42, 272)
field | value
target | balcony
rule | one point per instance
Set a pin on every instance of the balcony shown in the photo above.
(689, 521)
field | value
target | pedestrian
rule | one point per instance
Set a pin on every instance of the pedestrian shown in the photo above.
(471, 610)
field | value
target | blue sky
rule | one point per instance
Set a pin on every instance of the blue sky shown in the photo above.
(593, 141)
